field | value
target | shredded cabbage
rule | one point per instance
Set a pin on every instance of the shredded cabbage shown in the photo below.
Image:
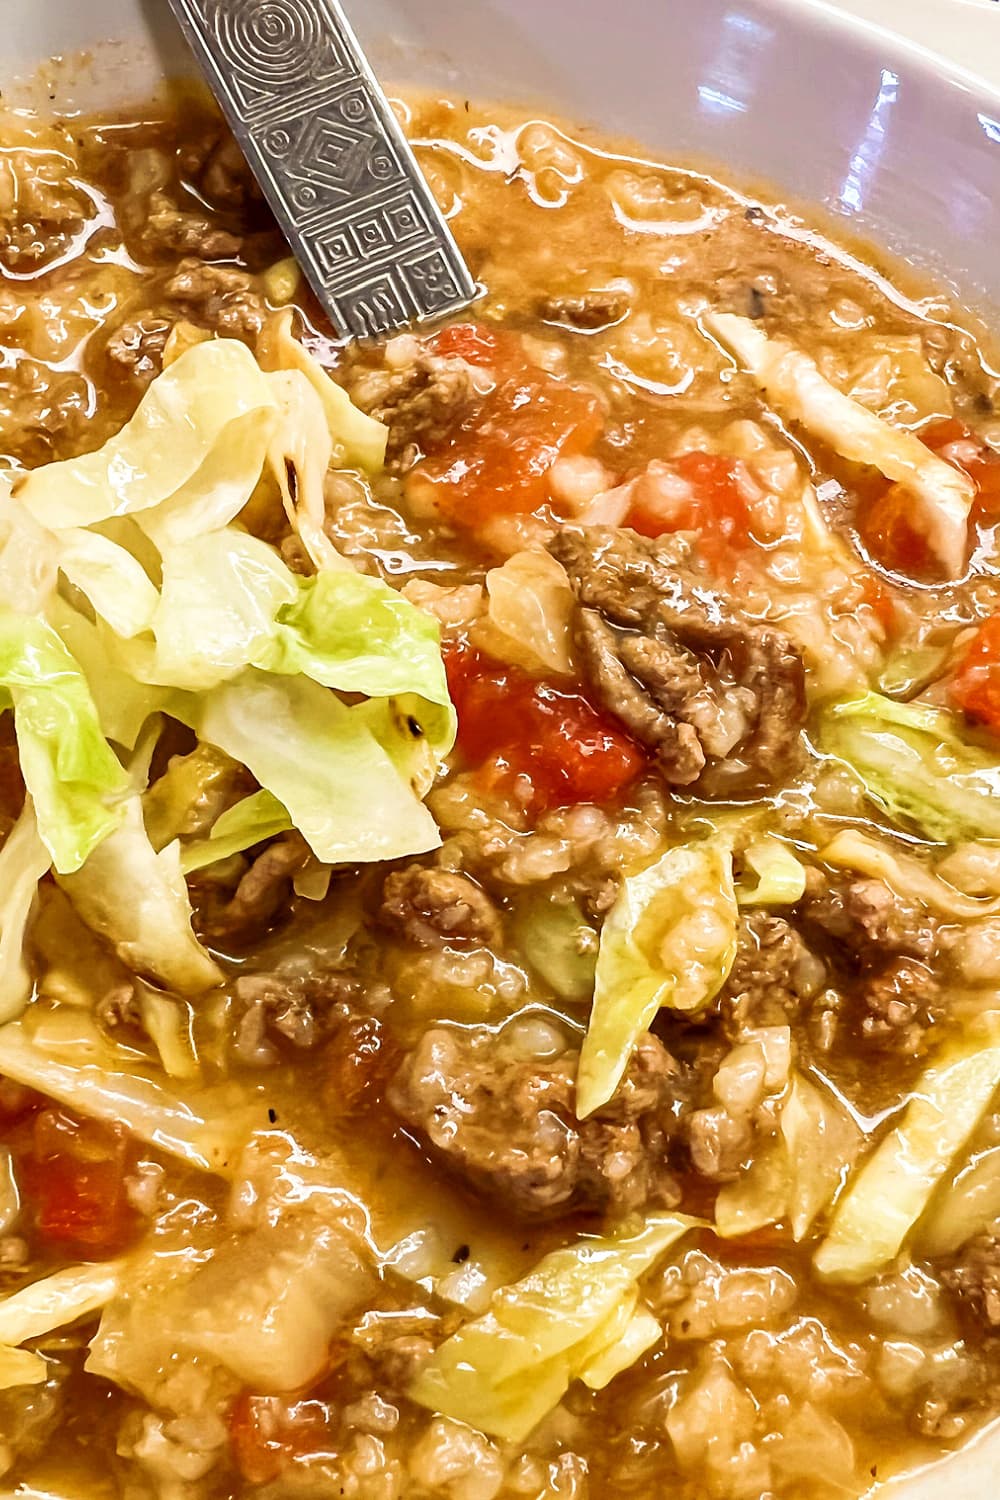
(21, 1367)
(893, 1186)
(908, 877)
(137, 898)
(204, 1127)
(23, 861)
(322, 762)
(797, 1174)
(915, 763)
(186, 463)
(75, 780)
(558, 944)
(789, 378)
(669, 940)
(572, 1317)
(58, 1300)
(255, 818)
(781, 876)
(963, 1207)
(529, 613)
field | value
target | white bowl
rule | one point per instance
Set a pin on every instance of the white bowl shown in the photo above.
(899, 146)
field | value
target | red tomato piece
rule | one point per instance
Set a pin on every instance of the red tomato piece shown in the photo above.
(975, 688)
(494, 461)
(714, 506)
(884, 524)
(476, 343)
(886, 528)
(961, 446)
(74, 1181)
(267, 1433)
(876, 594)
(548, 741)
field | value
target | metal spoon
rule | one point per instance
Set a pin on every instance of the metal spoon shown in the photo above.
(327, 150)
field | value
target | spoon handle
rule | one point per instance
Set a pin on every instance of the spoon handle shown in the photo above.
(331, 159)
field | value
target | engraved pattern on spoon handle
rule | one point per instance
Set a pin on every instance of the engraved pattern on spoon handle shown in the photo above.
(329, 154)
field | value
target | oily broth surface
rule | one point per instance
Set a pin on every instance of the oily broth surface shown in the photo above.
(539, 215)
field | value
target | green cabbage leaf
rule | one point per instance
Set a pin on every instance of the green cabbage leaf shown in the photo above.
(577, 1316)
(893, 1186)
(75, 779)
(668, 940)
(917, 764)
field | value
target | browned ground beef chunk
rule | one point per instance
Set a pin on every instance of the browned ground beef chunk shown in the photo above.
(136, 347)
(774, 974)
(883, 949)
(867, 918)
(300, 1008)
(507, 1126)
(591, 311)
(217, 169)
(429, 906)
(169, 230)
(419, 397)
(900, 1002)
(718, 697)
(262, 891)
(975, 1279)
(218, 297)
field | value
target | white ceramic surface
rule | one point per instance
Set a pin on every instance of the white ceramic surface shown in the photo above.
(900, 146)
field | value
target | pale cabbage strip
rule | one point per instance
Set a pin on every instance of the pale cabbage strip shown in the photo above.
(779, 875)
(75, 780)
(136, 897)
(192, 453)
(669, 940)
(321, 761)
(249, 821)
(908, 877)
(918, 764)
(576, 1316)
(893, 1186)
(47, 1305)
(206, 1128)
(24, 859)
(794, 384)
(797, 1174)
(359, 441)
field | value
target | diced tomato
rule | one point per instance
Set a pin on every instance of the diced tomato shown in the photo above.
(885, 525)
(547, 742)
(74, 1182)
(715, 505)
(975, 688)
(886, 528)
(476, 343)
(964, 448)
(494, 461)
(876, 594)
(266, 1433)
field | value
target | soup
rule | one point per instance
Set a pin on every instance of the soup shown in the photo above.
(500, 936)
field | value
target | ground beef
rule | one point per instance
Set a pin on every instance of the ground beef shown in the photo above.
(975, 1279)
(867, 918)
(136, 347)
(258, 898)
(899, 1003)
(218, 297)
(217, 169)
(428, 906)
(719, 698)
(417, 394)
(169, 230)
(590, 312)
(774, 975)
(507, 1127)
(302, 1009)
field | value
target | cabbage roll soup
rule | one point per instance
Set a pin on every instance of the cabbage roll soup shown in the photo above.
(500, 890)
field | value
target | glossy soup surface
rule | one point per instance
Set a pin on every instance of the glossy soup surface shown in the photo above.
(406, 1038)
